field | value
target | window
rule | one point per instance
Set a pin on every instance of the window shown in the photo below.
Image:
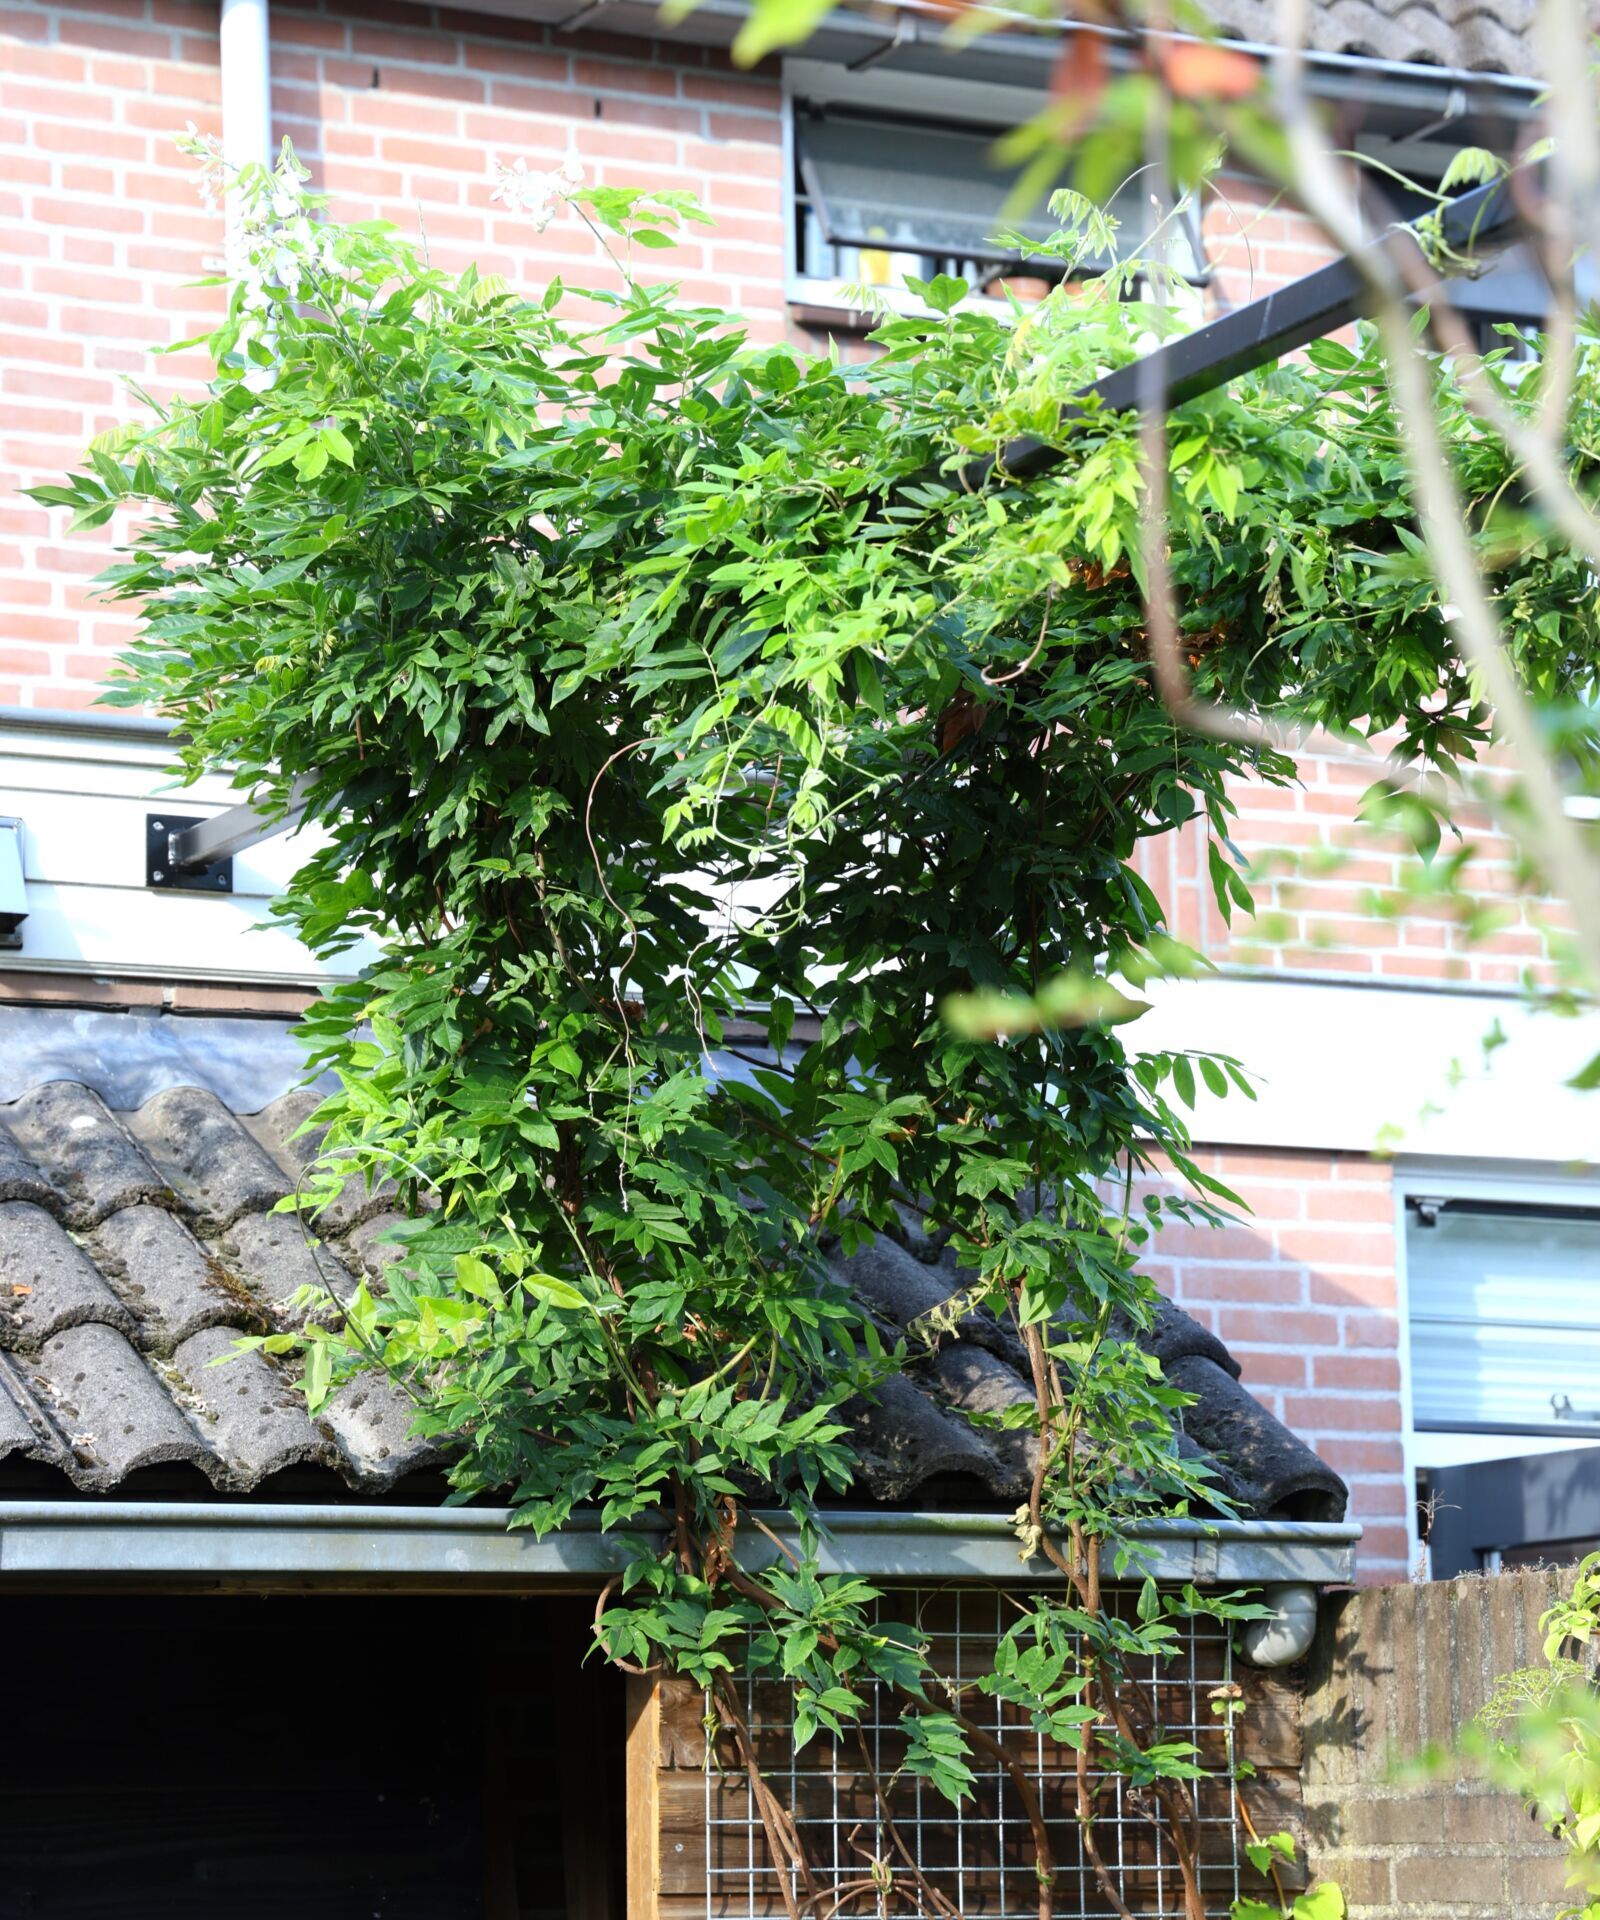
(880, 195)
(1505, 1321)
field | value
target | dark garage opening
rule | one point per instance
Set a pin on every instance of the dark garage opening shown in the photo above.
(308, 1758)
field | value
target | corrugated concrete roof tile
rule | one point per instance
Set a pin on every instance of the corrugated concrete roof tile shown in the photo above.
(1465, 34)
(169, 1281)
(136, 1247)
(274, 1255)
(372, 1420)
(355, 1204)
(278, 1124)
(114, 1411)
(921, 1297)
(47, 1281)
(23, 1428)
(972, 1380)
(1263, 1466)
(218, 1170)
(68, 1133)
(20, 1179)
(903, 1439)
(277, 1128)
(255, 1422)
(372, 1252)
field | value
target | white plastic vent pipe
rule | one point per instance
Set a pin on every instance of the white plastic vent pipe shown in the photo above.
(246, 93)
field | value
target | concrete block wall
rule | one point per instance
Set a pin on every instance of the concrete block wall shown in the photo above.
(1396, 1670)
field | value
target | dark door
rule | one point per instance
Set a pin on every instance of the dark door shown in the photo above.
(307, 1758)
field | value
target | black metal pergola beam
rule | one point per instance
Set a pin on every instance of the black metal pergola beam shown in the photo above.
(1472, 227)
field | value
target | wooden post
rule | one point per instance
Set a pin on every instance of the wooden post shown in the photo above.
(643, 1799)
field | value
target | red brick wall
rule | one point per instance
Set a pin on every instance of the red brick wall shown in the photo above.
(398, 111)
(1329, 891)
(99, 230)
(1255, 243)
(1304, 1295)
(1322, 868)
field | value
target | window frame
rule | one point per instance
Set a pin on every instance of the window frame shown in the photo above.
(1533, 1185)
(1548, 1211)
(917, 98)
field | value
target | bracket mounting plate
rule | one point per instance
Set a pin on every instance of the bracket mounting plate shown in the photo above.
(159, 872)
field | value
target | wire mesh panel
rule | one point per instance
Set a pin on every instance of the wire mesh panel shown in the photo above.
(881, 1841)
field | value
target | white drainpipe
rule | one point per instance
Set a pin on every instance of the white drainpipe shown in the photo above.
(1285, 1636)
(246, 92)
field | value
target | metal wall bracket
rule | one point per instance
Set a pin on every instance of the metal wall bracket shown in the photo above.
(13, 886)
(162, 868)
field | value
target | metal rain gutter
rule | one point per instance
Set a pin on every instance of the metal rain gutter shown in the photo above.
(1039, 41)
(246, 1546)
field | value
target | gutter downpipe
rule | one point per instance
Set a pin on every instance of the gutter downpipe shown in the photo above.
(1285, 1636)
(246, 56)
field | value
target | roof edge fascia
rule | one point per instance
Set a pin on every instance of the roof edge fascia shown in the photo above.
(882, 34)
(248, 1545)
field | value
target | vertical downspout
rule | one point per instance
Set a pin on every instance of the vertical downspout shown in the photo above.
(246, 96)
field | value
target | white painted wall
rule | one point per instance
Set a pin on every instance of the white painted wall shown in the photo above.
(83, 797)
(1352, 1068)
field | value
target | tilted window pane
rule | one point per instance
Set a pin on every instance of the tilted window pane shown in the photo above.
(1505, 1319)
(937, 190)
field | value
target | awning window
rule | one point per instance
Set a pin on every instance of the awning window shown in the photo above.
(936, 190)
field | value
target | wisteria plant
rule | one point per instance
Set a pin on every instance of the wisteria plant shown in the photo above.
(668, 703)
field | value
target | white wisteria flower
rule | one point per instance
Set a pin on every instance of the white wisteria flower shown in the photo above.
(538, 195)
(207, 149)
(276, 246)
